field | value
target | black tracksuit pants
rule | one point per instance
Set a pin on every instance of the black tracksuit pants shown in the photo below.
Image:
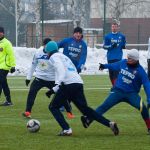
(4, 85)
(36, 85)
(75, 93)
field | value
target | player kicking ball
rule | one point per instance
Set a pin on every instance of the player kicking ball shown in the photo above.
(69, 85)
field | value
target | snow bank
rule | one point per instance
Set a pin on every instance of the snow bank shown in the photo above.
(95, 56)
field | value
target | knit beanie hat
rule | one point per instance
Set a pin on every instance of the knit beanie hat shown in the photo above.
(51, 47)
(133, 54)
(1, 29)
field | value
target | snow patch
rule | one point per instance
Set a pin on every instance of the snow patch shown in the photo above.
(95, 56)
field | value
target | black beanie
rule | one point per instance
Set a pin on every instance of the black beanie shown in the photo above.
(77, 29)
(46, 40)
(2, 29)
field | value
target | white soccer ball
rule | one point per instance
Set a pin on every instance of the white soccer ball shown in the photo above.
(33, 125)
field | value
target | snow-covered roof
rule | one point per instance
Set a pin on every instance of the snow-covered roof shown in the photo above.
(55, 21)
(92, 29)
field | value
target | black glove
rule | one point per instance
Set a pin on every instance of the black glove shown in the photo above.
(114, 45)
(101, 66)
(79, 70)
(27, 82)
(49, 93)
(123, 47)
(12, 70)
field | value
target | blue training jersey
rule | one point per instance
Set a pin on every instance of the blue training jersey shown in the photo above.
(130, 79)
(114, 52)
(75, 50)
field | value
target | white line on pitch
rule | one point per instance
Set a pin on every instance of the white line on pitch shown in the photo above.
(26, 89)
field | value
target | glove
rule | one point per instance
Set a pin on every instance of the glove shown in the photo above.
(114, 45)
(123, 47)
(49, 93)
(61, 86)
(101, 66)
(12, 70)
(27, 82)
(79, 70)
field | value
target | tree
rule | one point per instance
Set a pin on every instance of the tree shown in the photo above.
(80, 12)
(118, 8)
(7, 15)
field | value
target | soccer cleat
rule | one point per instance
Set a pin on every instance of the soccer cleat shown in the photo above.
(27, 114)
(65, 132)
(114, 128)
(70, 115)
(85, 121)
(6, 103)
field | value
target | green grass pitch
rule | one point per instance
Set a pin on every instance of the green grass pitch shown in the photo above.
(15, 136)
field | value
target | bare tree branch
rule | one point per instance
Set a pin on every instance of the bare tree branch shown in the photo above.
(6, 9)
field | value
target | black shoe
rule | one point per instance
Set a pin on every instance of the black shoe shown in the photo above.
(114, 128)
(85, 121)
(6, 103)
(65, 132)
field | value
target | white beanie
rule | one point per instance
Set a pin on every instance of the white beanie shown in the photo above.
(133, 54)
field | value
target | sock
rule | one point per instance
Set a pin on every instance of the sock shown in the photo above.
(147, 121)
(113, 81)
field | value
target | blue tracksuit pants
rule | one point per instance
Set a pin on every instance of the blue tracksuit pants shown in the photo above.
(116, 96)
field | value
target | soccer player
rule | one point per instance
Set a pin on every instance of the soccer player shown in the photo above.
(114, 42)
(130, 79)
(75, 48)
(44, 77)
(69, 85)
(7, 63)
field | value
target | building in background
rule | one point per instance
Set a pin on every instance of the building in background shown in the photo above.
(134, 18)
(93, 36)
(54, 29)
(132, 14)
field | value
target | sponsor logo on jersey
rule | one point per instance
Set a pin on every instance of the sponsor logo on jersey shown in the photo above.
(127, 73)
(74, 49)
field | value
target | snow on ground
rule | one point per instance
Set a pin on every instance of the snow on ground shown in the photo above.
(95, 56)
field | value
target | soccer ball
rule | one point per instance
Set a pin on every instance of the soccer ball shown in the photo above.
(33, 125)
